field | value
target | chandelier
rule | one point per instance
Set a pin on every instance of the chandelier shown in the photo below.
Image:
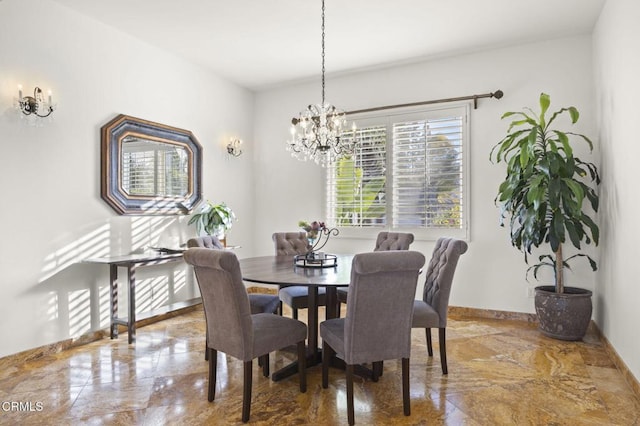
(315, 133)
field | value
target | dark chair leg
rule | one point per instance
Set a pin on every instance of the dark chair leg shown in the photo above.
(246, 394)
(350, 415)
(429, 345)
(443, 350)
(327, 354)
(265, 365)
(206, 349)
(279, 311)
(376, 370)
(406, 403)
(213, 365)
(302, 365)
(295, 313)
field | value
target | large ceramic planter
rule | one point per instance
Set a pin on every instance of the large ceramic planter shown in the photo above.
(563, 316)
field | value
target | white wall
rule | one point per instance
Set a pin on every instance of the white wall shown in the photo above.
(617, 67)
(52, 215)
(491, 275)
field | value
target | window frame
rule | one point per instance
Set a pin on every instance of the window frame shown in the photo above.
(405, 114)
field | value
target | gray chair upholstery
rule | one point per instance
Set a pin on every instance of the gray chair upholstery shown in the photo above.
(393, 241)
(206, 241)
(288, 244)
(380, 282)
(431, 311)
(232, 329)
(385, 241)
(260, 303)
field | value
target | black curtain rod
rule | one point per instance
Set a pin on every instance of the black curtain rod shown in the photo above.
(497, 94)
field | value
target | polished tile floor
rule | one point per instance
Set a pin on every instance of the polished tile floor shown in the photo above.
(501, 372)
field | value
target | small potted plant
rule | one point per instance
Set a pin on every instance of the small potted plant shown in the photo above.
(546, 197)
(312, 229)
(213, 219)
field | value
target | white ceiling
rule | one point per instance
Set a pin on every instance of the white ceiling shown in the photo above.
(262, 43)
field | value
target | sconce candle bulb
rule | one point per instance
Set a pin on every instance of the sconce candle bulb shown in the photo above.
(233, 147)
(35, 104)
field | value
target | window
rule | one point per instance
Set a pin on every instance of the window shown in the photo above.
(408, 174)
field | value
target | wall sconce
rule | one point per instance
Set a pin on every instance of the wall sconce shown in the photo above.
(233, 147)
(35, 104)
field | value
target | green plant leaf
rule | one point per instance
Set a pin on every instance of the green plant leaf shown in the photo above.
(595, 232)
(576, 189)
(586, 139)
(557, 114)
(575, 115)
(592, 263)
(544, 106)
(574, 235)
(564, 140)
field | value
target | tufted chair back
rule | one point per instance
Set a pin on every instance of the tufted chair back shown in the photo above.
(225, 301)
(207, 241)
(290, 243)
(393, 241)
(382, 285)
(439, 276)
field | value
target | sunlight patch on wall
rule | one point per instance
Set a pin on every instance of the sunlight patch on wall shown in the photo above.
(79, 305)
(179, 280)
(104, 295)
(160, 292)
(147, 231)
(52, 306)
(93, 244)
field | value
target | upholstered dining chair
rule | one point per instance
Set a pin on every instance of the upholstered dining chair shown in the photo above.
(260, 303)
(381, 282)
(293, 243)
(384, 242)
(431, 311)
(232, 328)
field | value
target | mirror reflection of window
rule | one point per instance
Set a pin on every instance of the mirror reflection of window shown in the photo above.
(151, 168)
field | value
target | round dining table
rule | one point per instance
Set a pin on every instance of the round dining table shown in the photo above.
(284, 270)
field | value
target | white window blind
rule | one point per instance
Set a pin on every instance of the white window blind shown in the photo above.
(154, 169)
(408, 173)
(356, 185)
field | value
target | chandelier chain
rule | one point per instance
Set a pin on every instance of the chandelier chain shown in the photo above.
(323, 68)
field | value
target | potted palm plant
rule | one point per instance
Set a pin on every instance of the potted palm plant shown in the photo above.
(547, 196)
(213, 219)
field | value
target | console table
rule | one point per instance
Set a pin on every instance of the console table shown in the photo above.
(131, 262)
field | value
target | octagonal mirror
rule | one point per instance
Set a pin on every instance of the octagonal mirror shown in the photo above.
(149, 168)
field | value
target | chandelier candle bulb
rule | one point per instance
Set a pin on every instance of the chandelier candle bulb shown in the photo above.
(19, 91)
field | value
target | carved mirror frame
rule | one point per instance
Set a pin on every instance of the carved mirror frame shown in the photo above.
(126, 128)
